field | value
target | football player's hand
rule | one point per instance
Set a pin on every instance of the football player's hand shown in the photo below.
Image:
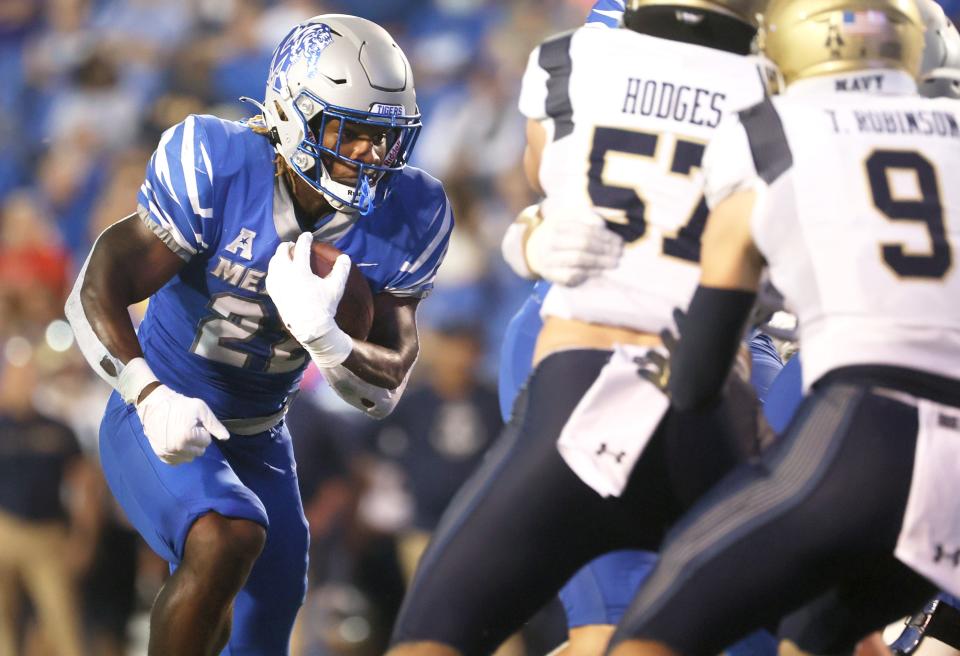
(567, 252)
(308, 303)
(654, 366)
(179, 427)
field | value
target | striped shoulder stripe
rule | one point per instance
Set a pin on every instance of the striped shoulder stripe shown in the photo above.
(429, 273)
(189, 167)
(607, 13)
(609, 6)
(555, 60)
(161, 165)
(441, 234)
(768, 141)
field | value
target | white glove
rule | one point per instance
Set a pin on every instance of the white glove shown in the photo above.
(568, 252)
(308, 303)
(513, 244)
(178, 427)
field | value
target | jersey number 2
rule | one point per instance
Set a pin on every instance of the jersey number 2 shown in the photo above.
(926, 208)
(686, 156)
(237, 320)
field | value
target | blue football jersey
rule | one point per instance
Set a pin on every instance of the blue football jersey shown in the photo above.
(211, 195)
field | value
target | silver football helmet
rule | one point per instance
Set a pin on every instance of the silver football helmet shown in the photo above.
(341, 68)
(940, 70)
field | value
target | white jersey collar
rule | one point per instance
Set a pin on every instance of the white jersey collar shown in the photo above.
(334, 226)
(284, 219)
(880, 81)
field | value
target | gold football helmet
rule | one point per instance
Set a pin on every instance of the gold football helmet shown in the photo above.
(747, 11)
(807, 38)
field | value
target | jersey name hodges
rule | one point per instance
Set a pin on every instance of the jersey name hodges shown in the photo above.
(678, 102)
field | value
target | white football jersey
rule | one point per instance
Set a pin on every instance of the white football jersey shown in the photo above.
(627, 117)
(857, 215)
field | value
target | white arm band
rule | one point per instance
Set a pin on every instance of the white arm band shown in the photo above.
(514, 242)
(133, 378)
(129, 379)
(331, 349)
(104, 364)
(376, 401)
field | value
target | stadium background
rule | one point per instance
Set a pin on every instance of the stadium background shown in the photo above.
(87, 88)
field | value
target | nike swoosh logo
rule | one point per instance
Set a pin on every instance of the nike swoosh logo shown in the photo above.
(360, 264)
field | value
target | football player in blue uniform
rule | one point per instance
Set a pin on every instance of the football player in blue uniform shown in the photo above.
(193, 442)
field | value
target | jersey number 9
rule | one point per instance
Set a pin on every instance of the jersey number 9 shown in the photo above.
(926, 208)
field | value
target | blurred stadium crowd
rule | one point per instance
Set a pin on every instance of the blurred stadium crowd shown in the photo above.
(87, 88)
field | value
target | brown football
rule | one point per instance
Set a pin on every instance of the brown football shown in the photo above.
(355, 312)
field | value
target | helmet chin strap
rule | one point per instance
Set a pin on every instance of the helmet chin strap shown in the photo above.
(330, 189)
(366, 196)
(362, 193)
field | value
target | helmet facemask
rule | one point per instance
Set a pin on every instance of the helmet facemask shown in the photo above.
(314, 161)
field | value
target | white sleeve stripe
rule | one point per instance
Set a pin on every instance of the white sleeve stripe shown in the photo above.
(188, 165)
(431, 272)
(171, 229)
(434, 244)
(206, 161)
(162, 166)
(161, 216)
(164, 221)
(404, 293)
(162, 233)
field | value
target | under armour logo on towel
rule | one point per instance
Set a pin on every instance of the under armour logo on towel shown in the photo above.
(941, 553)
(618, 456)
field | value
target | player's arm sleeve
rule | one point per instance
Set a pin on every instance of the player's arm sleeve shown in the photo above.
(533, 88)
(376, 402)
(749, 151)
(545, 89)
(709, 341)
(126, 265)
(739, 158)
(513, 244)
(176, 198)
(727, 162)
(104, 363)
(416, 275)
